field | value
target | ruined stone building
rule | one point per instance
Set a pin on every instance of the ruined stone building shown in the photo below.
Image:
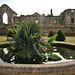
(67, 17)
(10, 13)
(49, 22)
(42, 19)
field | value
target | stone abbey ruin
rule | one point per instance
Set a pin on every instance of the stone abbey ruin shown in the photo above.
(65, 21)
(11, 14)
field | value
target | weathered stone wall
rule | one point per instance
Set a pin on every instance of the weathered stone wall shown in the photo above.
(42, 19)
(55, 29)
(68, 17)
(66, 68)
(6, 9)
(66, 30)
(4, 30)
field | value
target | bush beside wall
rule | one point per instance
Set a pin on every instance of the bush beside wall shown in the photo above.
(61, 35)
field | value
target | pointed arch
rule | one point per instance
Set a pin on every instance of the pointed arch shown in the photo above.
(5, 18)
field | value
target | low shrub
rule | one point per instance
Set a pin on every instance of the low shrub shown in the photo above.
(61, 35)
(50, 34)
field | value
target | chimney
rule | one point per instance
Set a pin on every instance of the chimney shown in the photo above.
(51, 13)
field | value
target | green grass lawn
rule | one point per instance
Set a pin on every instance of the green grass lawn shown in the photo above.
(3, 38)
(70, 39)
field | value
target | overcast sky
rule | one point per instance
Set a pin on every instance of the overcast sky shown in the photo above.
(25, 7)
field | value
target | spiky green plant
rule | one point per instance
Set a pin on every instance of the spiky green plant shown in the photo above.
(26, 40)
(26, 44)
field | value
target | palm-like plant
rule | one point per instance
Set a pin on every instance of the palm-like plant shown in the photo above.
(26, 40)
(26, 45)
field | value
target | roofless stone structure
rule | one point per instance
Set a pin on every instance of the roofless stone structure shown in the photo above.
(67, 17)
(10, 13)
(63, 21)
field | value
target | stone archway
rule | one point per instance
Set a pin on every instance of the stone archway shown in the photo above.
(10, 13)
(5, 18)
